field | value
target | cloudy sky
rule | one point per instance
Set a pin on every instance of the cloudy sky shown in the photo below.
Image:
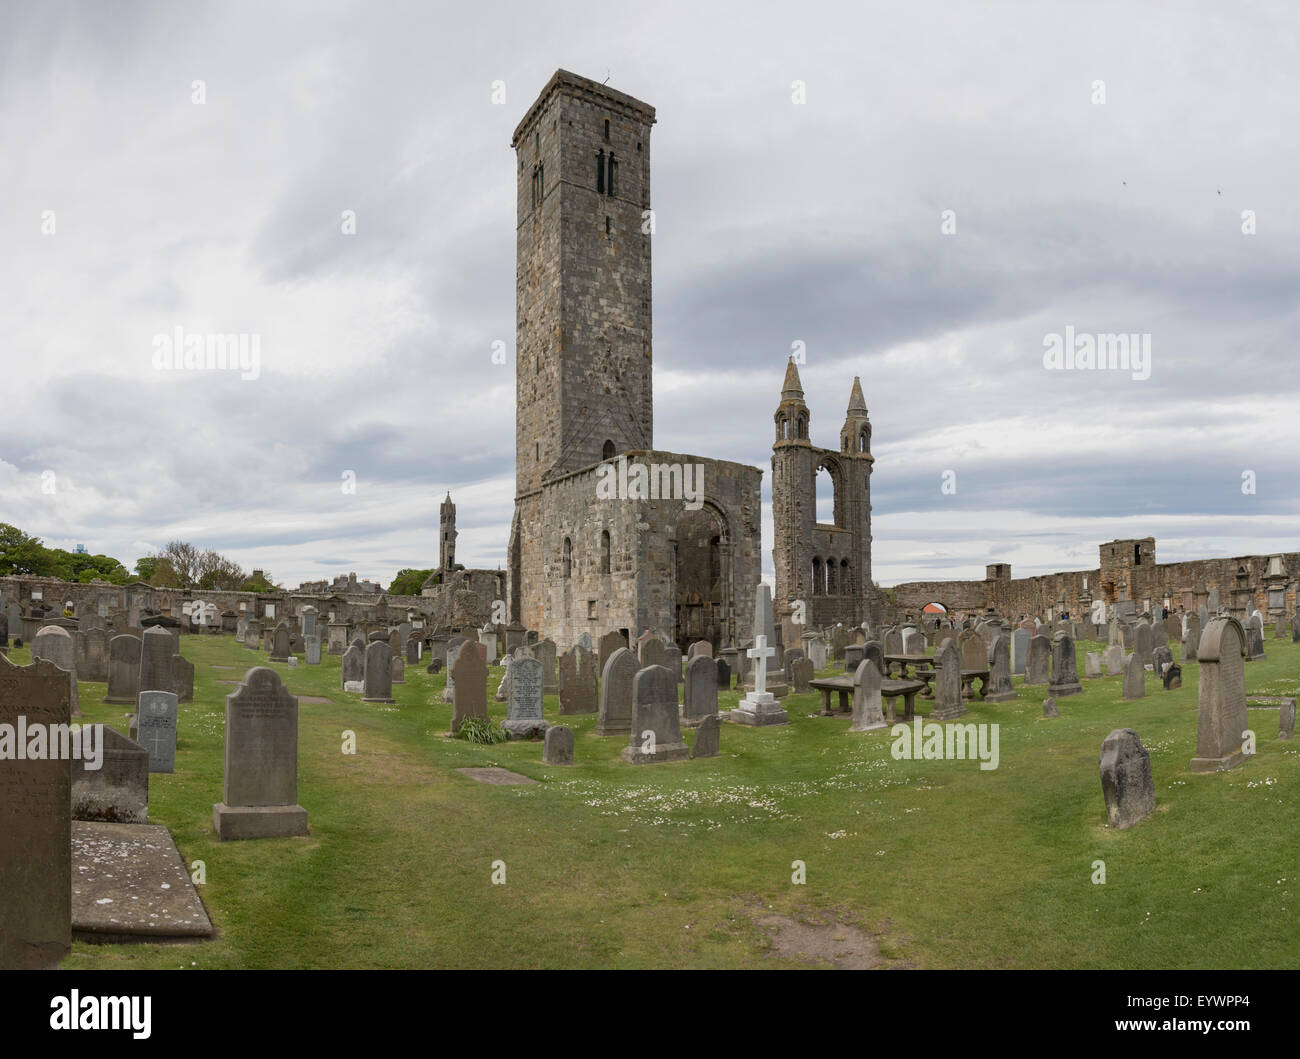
(1098, 160)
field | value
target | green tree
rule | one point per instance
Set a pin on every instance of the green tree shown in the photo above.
(408, 582)
(22, 554)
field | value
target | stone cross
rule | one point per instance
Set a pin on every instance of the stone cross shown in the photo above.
(760, 652)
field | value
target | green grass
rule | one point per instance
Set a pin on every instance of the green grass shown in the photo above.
(614, 865)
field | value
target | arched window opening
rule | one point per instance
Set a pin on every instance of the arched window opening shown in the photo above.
(567, 564)
(817, 577)
(607, 450)
(832, 578)
(604, 552)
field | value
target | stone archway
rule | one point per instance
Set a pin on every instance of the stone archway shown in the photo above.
(703, 578)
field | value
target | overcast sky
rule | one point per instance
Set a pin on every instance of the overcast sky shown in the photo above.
(777, 222)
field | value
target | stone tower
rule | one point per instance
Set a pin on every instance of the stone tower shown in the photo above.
(583, 361)
(827, 566)
(447, 534)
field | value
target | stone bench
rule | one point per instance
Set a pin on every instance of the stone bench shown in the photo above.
(890, 689)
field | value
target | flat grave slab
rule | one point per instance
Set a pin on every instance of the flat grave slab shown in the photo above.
(316, 700)
(129, 880)
(497, 777)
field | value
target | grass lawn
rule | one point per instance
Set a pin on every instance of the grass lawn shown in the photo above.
(685, 865)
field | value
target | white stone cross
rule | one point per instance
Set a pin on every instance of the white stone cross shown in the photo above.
(760, 652)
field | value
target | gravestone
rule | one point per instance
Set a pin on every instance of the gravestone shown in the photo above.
(652, 652)
(1049, 708)
(816, 651)
(449, 688)
(308, 617)
(1091, 665)
(253, 635)
(336, 637)
(544, 650)
(1000, 689)
(578, 681)
(800, 673)
(1295, 627)
(791, 655)
(503, 688)
(673, 662)
(868, 711)
(353, 666)
(871, 652)
(706, 737)
(155, 721)
(584, 641)
(1040, 653)
(92, 660)
(182, 678)
(759, 707)
(1221, 697)
(1173, 677)
(558, 749)
(1279, 630)
(36, 824)
(1114, 659)
(470, 696)
(1019, 651)
(156, 659)
(1135, 678)
(123, 669)
(615, 716)
(1142, 644)
(913, 642)
(974, 651)
(313, 650)
(56, 644)
(724, 675)
(609, 643)
(701, 690)
(280, 642)
(398, 666)
(1126, 781)
(1255, 640)
(1161, 657)
(1286, 719)
(524, 719)
(413, 651)
(893, 642)
(118, 791)
(396, 644)
(947, 683)
(656, 736)
(377, 673)
(260, 793)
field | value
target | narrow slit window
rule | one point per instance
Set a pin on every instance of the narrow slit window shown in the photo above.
(607, 130)
(600, 172)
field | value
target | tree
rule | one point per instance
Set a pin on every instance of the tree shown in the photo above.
(218, 573)
(408, 582)
(258, 584)
(22, 554)
(184, 560)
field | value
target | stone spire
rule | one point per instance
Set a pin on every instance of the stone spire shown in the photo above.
(857, 403)
(792, 388)
(791, 414)
(855, 435)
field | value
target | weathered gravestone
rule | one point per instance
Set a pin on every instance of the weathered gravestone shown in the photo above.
(656, 736)
(706, 738)
(868, 711)
(1295, 627)
(1049, 708)
(123, 669)
(35, 822)
(377, 675)
(1000, 689)
(470, 695)
(724, 675)
(1126, 782)
(1040, 653)
(1019, 651)
(313, 650)
(1221, 697)
(413, 651)
(615, 717)
(947, 683)
(1114, 658)
(1160, 657)
(1279, 630)
(853, 654)
(57, 645)
(1173, 677)
(1091, 665)
(398, 667)
(609, 643)
(1065, 677)
(453, 654)
(281, 642)
(1286, 719)
(800, 673)
(182, 678)
(260, 795)
(92, 655)
(558, 749)
(156, 659)
(117, 791)
(503, 688)
(1135, 678)
(701, 690)
(1255, 640)
(651, 651)
(524, 719)
(544, 650)
(156, 727)
(578, 681)
(352, 667)
(872, 652)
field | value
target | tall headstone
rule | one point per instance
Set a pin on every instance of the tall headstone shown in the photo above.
(577, 681)
(453, 653)
(36, 824)
(609, 643)
(1019, 651)
(156, 659)
(800, 674)
(378, 673)
(701, 690)
(1000, 688)
(1135, 678)
(615, 717)
(1142, 644)
(260, 794)
(1221, 697)
(313, 650)
(123, 669)
(524, 719)
(281, 642)
(656, 733)
(309, 619)
(868, 710)
(1126, 781)
(57, 645)
(1040, 653)
(470, 695)
(947, 683)
(352, 666)
(182, 678)
(1065, 675)
(156, 725)
(706, 738)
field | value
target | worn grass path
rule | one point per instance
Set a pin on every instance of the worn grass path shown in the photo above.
(612, 865)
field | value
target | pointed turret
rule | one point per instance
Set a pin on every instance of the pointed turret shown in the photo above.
(855, 435)
(857, 403)
(791, 414)
(792, 389)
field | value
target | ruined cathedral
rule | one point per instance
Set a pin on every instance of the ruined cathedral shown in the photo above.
(609, 532)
